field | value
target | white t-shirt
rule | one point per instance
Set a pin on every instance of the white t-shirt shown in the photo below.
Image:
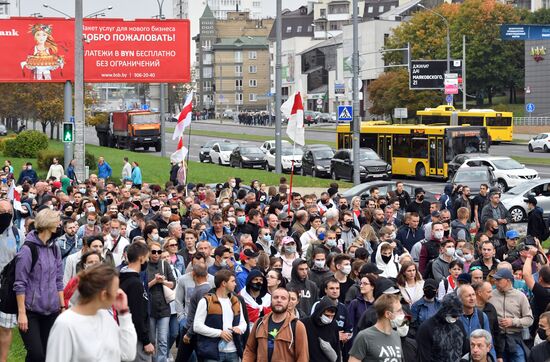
(79, 338)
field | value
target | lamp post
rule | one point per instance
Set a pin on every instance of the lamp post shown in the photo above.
(91, 15)
(57, 10)
(161, 108)
(448, 34)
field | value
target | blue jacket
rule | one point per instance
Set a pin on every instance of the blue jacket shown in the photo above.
(356, 309)
(41, 287)
(104, 171)
(471, 324)
(210, 236)
(420, 311)
(136, 176)
(27, 174)
(408, 237)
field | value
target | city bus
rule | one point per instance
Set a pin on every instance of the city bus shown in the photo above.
(499, 124)
(417, 150)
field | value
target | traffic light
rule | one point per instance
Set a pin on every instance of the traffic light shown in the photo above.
(68, 132)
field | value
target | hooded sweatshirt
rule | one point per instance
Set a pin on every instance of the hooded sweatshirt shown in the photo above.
(389, 269)
(41, 287)
(260, 306)
(323, 339)
(309, 293)
(536, 226)
(138, 302)
(439, 340)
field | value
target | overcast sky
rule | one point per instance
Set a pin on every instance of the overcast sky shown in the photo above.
(129, 9)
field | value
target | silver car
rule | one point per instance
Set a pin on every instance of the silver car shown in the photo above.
(513, 198)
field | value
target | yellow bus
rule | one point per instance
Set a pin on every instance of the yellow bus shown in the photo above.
(417, 150)
(500, 125)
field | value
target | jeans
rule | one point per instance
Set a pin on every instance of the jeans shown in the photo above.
(518, 355)
(159, 333)
(225, 357)
(173, 331)
(36, 337)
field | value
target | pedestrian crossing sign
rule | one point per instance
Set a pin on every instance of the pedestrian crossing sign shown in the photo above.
(345, 113)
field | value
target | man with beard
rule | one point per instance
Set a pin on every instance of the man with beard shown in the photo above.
(278, 336)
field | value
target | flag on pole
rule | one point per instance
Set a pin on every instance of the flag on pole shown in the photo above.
(184, 118)
(14, 194)
(293, 109)
(180, 153)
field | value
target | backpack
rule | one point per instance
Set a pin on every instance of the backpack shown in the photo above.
(428, 272)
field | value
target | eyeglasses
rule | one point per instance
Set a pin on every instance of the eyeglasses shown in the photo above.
(153, 252)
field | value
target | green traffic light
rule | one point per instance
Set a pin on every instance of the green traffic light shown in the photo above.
(68, 132)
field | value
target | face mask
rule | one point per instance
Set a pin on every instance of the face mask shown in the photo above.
(430, 293)
(451, 319)
(331, 243)
(166, 214)
(326, 320)
(438, 235)
(450, 251)
(115, 233)
(542, 334)
(321, 236)
(68, 213)
(155, 237)
(285, 224)
(225, 204)
(51, 207)
(446, 233)
(90, 222)
(91, 209)
(267, 238)
(32, 196)
(468, 257)
(386, 259)
(241, 220)
(346, 269)
(343, 207)
(397, 321)
(393, 235)
(82, 191)
(5, 220)
(223, 263)
(349, 224)
(256, 286)
(494, 230)
(320, 264)
(109, 201)
(290, 249)
(202, 197)
(155, 208)
(403, 330)
(421, 198)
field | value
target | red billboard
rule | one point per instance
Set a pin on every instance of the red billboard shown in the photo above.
(115, 50)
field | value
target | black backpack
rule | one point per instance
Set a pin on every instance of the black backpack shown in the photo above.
(428, 272)
(8, 302)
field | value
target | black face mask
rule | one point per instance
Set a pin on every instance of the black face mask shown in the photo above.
(386, 259)
(68, 213)
(343, 207)
(5, 220)
(175, 211)
(155, 208)
(542, 334)
(256, 286)
(109, 201)
(446, 232)
(494, 230)
(430, 293)
(420, 197)
(285, 224)
(349, 224)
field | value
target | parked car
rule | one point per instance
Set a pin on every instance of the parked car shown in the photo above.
(247, 156)
(204, 154)
(473, 177)
(458, 160)
(333, 117)
(508, 171)
(372, 167)
(221, 151)
(288, 154)
(324, 118)
(228, 113)
(384, 188)
(540, 142)
(267, 145)
(316, 160)
(309, 118)
(513, 199)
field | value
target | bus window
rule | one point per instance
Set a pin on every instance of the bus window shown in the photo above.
(499, 121)
(402, 145)
(471, 120)
(368, 141)
(419, 148)
(457, 144)
(435, 119)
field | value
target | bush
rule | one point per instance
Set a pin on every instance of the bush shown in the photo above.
(27, 144)
(45, 159)
(3, 142)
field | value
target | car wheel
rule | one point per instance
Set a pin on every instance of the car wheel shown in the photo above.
(313, 173)
(530, 147)
(420, 172)
(241, 164)
(267, 167)
(302, 172)
(334, 176)
(201, 159)
(546, 149)
(502, 185)
(219, 161)
(517, 214)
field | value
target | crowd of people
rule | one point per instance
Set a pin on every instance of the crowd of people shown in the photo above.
(111, 269)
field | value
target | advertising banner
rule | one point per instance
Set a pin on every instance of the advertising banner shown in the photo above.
(430, 74)
(524, 32)
(115, 50)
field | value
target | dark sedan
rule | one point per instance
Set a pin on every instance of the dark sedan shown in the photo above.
(372, 167)
(204, 154)
(316, 160)
(247, 156)
(385, 188)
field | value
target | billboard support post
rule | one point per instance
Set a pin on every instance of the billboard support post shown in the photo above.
(79, 123)
(68, 112)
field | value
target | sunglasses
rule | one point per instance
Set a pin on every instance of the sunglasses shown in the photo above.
(153, 252)
(170, 245)
(472, 268)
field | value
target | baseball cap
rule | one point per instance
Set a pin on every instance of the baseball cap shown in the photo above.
(430, 283)
(504, 274)
(531, 200)
(283, 216)
(384, 286)
(464, 278)
(419, 190)
(512, 234)
(287, 240)
(436, 213)
(370, 268)
(247, 253)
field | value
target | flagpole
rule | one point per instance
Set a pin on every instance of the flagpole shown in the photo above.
(186, 163)
(291, 173)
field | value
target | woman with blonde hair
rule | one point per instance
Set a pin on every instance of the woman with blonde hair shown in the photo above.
(356, 206)
(410, 282)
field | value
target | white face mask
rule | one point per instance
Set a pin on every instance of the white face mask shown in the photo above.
(319, 263)
(166, 214)
(451, 319)
(393, 235)
(155, 237)
(91, 209)
(326, 320)
(346, 269)
(438, 235)
(397, 323)
(468, 257)
(450, 251)
(403, 330)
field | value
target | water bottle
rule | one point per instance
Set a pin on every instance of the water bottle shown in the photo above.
(221, 345)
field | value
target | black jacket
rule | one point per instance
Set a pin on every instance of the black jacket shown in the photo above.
(252, 229)
(536, 226)
(158, 306)
(309, 292)
(131, 284)
(317, 331)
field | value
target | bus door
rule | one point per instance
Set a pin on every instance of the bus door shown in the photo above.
(385, 148)
(436, 146)
(345, 140)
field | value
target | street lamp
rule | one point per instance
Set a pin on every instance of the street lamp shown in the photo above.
(448, 34)
(57, 11)
(99, 12)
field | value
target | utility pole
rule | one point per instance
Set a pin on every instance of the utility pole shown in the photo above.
(161, 108)
(79, 124)
(68, 112)
(278, 86)
(464, 106)
(356, 115)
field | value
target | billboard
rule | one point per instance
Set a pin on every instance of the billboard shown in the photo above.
(115, 50)
(430, 74)
(525, 32)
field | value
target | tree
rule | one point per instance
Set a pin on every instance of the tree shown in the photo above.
(492, 65)
(391, 90)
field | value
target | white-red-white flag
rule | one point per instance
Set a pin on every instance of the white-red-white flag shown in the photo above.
(14, 194)
(180, 153)
(293, 109)
(184, 118)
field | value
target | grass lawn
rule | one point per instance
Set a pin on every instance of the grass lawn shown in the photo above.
(17, 351)
(532, 160)
(157, 170)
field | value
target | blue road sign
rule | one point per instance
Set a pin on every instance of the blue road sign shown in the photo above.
(145, 107)
(449, 98)
(71, 119)
(345, 113)
(530, 107)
